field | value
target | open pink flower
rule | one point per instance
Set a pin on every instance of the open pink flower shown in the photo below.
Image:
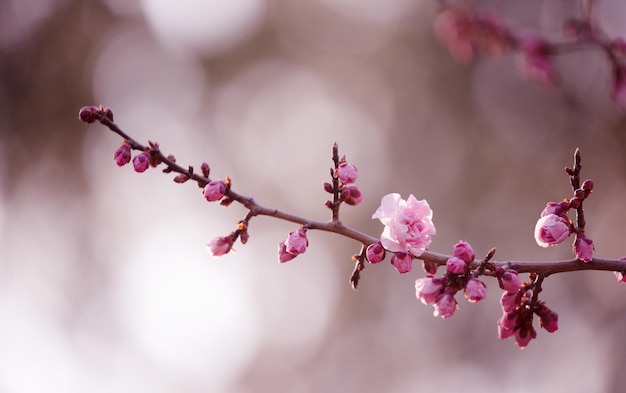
(427, 289)
(408, 224)
(551, 230)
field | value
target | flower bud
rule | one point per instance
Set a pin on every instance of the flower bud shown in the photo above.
(583, 247)
(220, 245)
(509, 280)
(558, 208)
(402, 261)
(456, 265)
(509, 301)
(587, 186)
(141, 162)
(283, 255)
(122, 155)
(214, 191)
(551, 230)
(204, 168)
(427, 289)
(464, 251)
(89, 114)
(445, 305)
(475, 290)
(375, 252)
(296, 242)
(347, 173)
(351, 195)
(548, 319)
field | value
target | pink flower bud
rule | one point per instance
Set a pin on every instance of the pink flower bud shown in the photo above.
(214, 191)
(558, 208)
(551, 230)
(122, 155)
(583, 247)
(283, 255)
(509, 301)
(346, 173)
(427, 289)
(351, 195)
(508, 321)
(296, 242)
(445, 305)
(524, 334)
(548, 319)
(204, 168)
(464, 251)
(220, 245)
(375, 252)
(475, 290)
(402, 261)
(89, 114)
(620, 276)
(509, 280)
(141, 162)
(455, 265)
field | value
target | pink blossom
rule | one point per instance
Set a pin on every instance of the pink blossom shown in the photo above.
(509, 301)
(551, 230)
(408, 224)
(375, 252)
(220, 245)
(509, 280)
(347, 173)
(214, 191)
(620, 276)
(351, 195)
(445, 305)
(464, 251)
(141, 162)
(283, 255)
(427, 289)
(583, 247)
(475, 290)
(507, 323)
(535, 61)
(297, 242)
(122, 155)
(402, 261)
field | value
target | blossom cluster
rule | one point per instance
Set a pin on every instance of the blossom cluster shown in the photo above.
(519, 306)
(554, 226)
(468, 33)
(440, 291)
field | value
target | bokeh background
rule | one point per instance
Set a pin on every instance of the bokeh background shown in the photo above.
(105, 285)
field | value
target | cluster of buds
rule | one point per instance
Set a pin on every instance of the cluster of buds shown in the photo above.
(554, 226)
(440, 291)
(519, 305)
(344, 175)
(467, 33)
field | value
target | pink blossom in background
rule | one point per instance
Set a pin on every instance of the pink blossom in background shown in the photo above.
(427, 289)
(347, 173)
(141, 162)
(402, 261)
(583, 248)
(122, 155)
(551, 230)
(214, 191)
(475, 290)
(375, 252)
(408, 224)
(535, 59)
(220, 245)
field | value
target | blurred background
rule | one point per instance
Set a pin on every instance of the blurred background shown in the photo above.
(105, 284)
